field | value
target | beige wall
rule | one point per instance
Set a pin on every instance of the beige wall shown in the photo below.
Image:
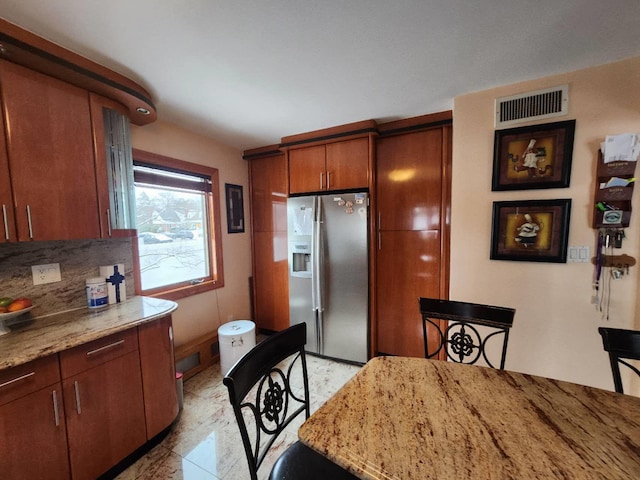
(555, 328)
(203, 313)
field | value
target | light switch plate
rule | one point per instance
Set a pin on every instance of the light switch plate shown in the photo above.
(579, 254)
(48, 273)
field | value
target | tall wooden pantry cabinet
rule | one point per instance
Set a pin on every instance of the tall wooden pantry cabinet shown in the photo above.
(268, 199)
(412, 203)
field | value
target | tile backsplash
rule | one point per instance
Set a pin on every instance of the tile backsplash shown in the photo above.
(78, 259)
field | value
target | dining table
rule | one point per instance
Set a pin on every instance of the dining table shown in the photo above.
(407, 418)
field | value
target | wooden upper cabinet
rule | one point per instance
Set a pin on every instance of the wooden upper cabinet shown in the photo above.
(50, 152)
(269, 193)
(348, 164)
(8, 226)
(307, 169)
(409, 181)
(335, 166)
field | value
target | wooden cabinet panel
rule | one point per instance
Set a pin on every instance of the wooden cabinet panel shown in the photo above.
(157, 364)
(19, 381)
(50, 153)
(269, 193)
(271, 280)
(307, 172)
(408, 179)
(7, 225)
(92, 354)
(408, 267)
(348, 164)
(105, 415)
(33, 436)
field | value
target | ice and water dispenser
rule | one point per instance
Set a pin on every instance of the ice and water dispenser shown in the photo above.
(300, 259)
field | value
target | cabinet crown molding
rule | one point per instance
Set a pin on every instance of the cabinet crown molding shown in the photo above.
(29, 50)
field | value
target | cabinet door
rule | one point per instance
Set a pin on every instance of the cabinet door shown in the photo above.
(102, 164)
(105, 415)
(50, 155)
(408, 267)
(271, 280)
(157, 363)
(7, 227)
(269, 193)
(33, 437)
(348, 164)
(409, 181)
(307, 169)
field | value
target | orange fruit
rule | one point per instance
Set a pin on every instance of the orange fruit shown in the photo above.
(19, 304)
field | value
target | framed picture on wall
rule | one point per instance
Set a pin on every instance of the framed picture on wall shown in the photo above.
(531, 230)
(536, 156)
(235, 208)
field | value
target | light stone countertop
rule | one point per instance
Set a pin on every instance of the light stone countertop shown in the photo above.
(410, 418)
(45, 335)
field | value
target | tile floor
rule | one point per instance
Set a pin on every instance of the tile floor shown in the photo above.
(205, 444)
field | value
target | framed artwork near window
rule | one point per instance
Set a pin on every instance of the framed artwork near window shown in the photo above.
(235, 208)
(531, 230)
(535, 156)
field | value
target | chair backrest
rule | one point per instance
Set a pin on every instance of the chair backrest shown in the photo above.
(260, 386)
(622, 345)
(461, 340)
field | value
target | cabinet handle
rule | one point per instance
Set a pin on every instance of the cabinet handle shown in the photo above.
(6, 224)
(56, 416)
(328, 180)
(111, 345)
(29, 221)
(17, 379)
(76, 387)
(321, 180)
(109, 221)
(379, 228)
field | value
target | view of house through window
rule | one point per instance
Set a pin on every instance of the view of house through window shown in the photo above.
(176, 215)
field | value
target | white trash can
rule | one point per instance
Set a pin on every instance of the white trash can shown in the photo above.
(235, 339)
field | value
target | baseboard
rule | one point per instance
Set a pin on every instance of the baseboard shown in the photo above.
(198, 354)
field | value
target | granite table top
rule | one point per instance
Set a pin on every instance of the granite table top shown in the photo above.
(410, 418)
(50, 334)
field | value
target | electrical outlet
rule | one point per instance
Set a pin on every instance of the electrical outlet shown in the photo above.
(48, 273)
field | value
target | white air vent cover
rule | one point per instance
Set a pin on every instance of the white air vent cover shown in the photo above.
(546, 103)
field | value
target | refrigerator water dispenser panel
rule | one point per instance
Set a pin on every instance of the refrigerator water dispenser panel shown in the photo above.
(300, 261)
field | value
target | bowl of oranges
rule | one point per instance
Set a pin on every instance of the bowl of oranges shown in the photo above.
(11, 308)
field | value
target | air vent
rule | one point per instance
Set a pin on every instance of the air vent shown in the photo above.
(546, 103)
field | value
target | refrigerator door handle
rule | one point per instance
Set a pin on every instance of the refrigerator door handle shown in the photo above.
(318, 272)
(314, 256)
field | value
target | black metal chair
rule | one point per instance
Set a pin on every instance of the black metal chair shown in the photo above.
(266, 395)
(461, 340)
(622, 345)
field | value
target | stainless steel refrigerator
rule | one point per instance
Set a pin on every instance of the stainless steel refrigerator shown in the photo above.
(328, 272)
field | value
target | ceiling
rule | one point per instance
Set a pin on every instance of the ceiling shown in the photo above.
(248, 72)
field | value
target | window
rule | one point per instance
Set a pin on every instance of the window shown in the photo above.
(179, 246)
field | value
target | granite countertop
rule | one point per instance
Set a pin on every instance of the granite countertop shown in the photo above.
(401, 418)
(49, 334)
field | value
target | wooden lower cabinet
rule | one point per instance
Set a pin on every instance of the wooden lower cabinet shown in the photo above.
(33, 437)
(157, 363)
(408, 266)
(104, 408)
(79, 413)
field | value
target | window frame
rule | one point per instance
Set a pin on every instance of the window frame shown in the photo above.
(214, 219)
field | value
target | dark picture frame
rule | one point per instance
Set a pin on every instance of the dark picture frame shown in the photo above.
(536, 156)
(235, 208)
(531, 230)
